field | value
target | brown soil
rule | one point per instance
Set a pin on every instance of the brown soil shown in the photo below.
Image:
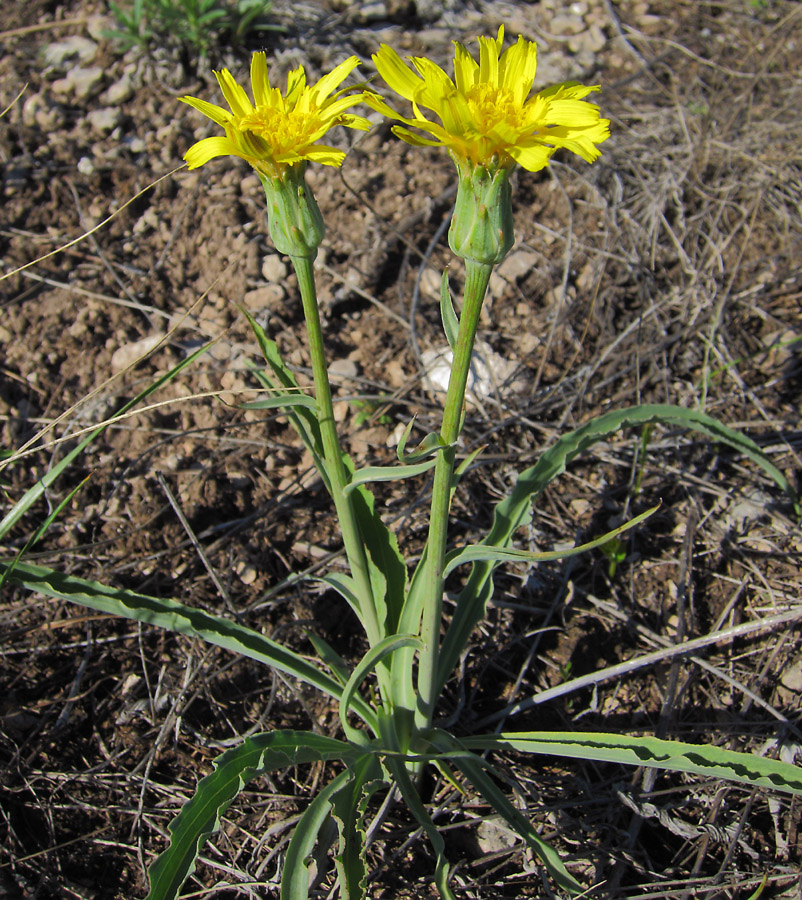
(667, 272)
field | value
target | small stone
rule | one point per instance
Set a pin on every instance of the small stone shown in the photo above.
(103, 120)
(518, 264)
(75, 47)
(120, 91)
(79, 82)
(791, 678)
(566, 24)
(343, 370)
(271, 296)
(130, 353)
(41, 112)
(85, 166)
(274, 269)
(245, 571)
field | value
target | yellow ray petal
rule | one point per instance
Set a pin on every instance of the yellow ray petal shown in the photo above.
(328, 82)
(235, 95)
(397, 75)
(259, 79)
(200, 153)
(215, 113)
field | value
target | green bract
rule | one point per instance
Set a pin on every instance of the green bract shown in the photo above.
(481, 227)
(293, 215)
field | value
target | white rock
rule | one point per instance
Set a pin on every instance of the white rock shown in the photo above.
(487, 373)
(79, 82)
(518, 264)
(129, 353)
(75, 47)
(566, 24)
(85, 166)
(342, 370)
(274, 269)
(120, 91)
(103, 120)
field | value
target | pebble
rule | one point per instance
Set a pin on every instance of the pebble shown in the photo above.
(85, 166)
(103, 120)
(566, 24)
(38, 110)
(518, 264)
(79, 82)
(120, 91)
(128, 354)
(274, 269)
(271, 296)
(75, 47)
(343, 369)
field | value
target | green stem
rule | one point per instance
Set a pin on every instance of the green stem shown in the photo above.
(477, 276)
(332, 453)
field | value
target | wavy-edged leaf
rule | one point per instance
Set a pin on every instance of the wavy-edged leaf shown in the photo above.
(34, 492)
(200, 816)
(676, 756)
(515, 509)
(369, 661)
(176, 616)
(295, 875)
(482, 552)
(348, 809)
(410, 795)
(475, 769)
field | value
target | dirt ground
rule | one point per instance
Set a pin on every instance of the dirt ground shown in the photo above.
(666, 272)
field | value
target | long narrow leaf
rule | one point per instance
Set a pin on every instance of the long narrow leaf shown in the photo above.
(481, 552)
(387, 473)
(515, 510)
(676, 756)
(410, 795)
(184, 619)
(200, 816)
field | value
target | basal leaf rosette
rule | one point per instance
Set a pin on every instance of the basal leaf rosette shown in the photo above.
(489, 121)
(278, 134)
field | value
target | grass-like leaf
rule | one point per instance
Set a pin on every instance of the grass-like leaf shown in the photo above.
(200, 816)
(481, 552)
(676, 756)
(176, 616)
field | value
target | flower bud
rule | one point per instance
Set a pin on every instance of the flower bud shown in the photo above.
(481, 227)
(293, 216)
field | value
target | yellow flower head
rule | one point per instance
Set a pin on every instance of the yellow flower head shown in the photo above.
(277, 131)
(485, 114)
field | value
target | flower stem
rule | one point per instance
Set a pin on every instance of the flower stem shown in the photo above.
(477, 276)
(333, 456)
